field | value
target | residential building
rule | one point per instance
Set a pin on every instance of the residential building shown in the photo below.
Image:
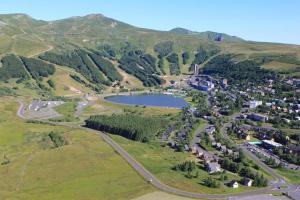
(270, 144)
(234, 184)
(247, 182)
(253, 104)
(213, 167)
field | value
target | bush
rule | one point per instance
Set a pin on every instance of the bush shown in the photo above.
(57, 139)
(209, 182)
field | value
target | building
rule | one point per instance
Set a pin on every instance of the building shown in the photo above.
(234, 184)
(196, 70)
(247, 182)
(246, 136)
(211, 130)
(270, 144)
(213, 167)
(253, 104)
(258, 117)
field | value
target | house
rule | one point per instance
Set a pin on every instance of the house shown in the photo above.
(246, 136)
(199, 153)
(218, 145)
(247, 182)
(229, 152)
(253, 104)
(186, 147)
(211, 130)
(223, 148)
(233, 184)
(213, 167)
(207, 158)
(258, 117)
(270, 144)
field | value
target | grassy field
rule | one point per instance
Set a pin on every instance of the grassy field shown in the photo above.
(67, 110)
(160, 160)
(161, 195)
(279, 66)
(292, 176)
(86, 168)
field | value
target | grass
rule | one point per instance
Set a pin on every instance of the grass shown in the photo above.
(161, 195)
(68, 86)
(67, 110)
(279, 66)
(86, 168)
(292, 176)
(160, 160)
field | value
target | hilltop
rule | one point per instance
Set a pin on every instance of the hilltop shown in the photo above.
(105, 51)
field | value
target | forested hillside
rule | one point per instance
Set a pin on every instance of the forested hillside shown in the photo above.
(104, 52)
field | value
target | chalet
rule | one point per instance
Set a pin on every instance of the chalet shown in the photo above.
(229, 152)
(218, 145)
(186, 147)
(211, 130)
(207, 158)
(236, 155)
(213, 167)
(253, 104)
(233, 184)
(223, 148)
(247, 182)
(245, 136)
(258, 117)
(199, 153)
(270, 144)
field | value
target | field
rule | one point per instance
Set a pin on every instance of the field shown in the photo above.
(86, 168)
(160, 160)
(292, 176)
(161, 195)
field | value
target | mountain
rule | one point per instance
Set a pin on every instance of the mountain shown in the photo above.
(93, 52)
(209, 35)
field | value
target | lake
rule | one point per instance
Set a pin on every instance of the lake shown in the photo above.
(159, 100)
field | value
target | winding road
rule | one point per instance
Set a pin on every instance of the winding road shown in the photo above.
(149, 176)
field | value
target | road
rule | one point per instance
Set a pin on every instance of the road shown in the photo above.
(148, 175)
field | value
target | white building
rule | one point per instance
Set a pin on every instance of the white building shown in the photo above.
(254, 103)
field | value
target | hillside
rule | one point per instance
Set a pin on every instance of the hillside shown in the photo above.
(98, 53)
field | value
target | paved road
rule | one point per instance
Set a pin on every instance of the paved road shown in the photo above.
(150, 177)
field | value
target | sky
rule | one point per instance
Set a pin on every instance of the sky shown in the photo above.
(258, 20)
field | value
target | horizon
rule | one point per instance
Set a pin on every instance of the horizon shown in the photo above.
(264, 24)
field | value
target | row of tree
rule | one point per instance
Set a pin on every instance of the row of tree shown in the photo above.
(131, 126)
(12, 67)
(173, 64)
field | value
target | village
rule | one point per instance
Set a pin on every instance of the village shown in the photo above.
(262, 120)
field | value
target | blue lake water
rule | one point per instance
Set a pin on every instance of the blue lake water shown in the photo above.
(159, 100)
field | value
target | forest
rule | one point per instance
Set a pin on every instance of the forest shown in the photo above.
(12, 67)
(174, 64)
(38, 68)
(131, 126)
(141, 66)
(106, 67)
(247, 71)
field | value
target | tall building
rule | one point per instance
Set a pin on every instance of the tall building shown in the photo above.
(196, 70)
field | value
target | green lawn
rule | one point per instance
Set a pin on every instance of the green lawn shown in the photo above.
(68, 110)
(292, 176)
(160, 160)
(86, 168)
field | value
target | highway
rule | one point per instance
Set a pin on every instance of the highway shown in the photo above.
(148, 176)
